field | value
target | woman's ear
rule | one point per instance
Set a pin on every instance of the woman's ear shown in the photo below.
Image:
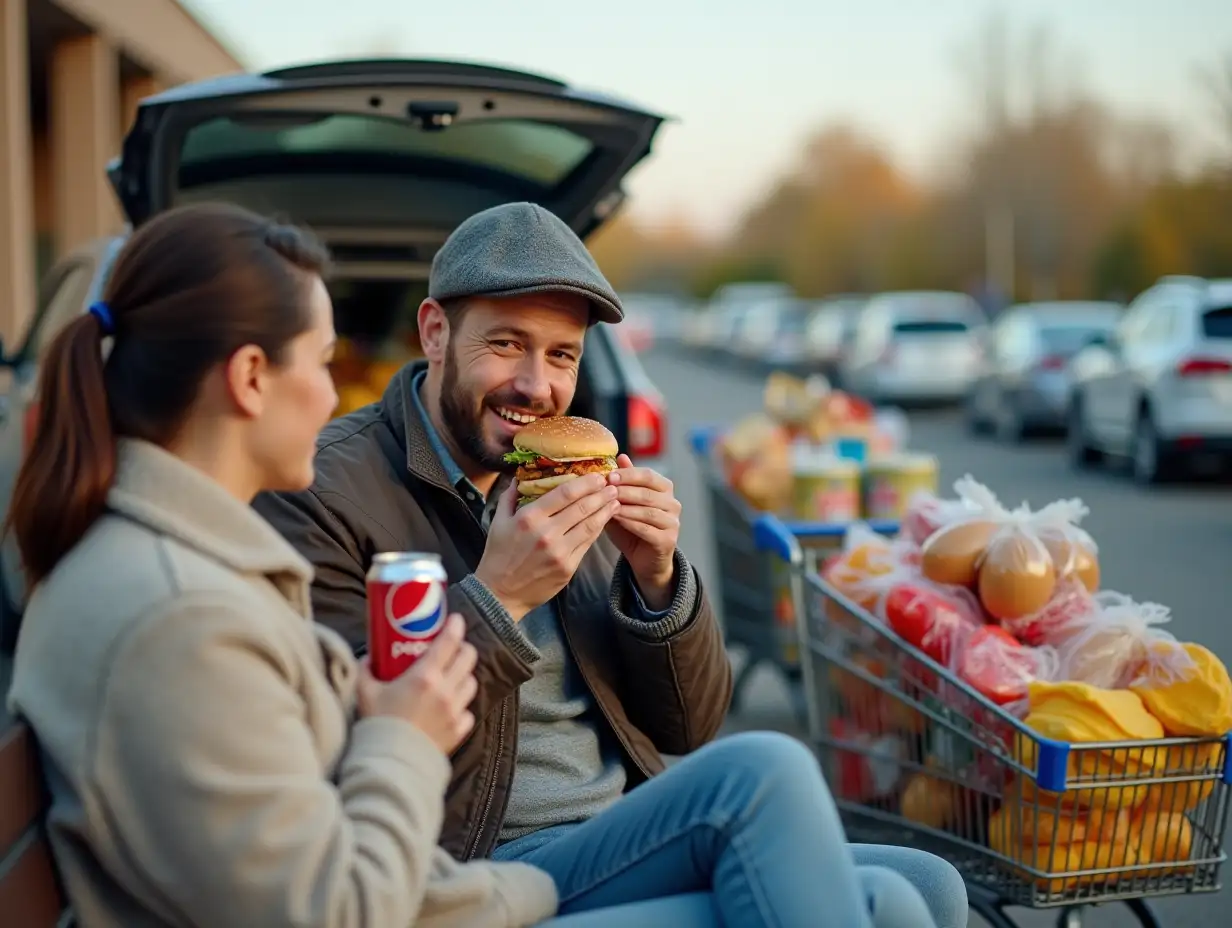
(246, 379)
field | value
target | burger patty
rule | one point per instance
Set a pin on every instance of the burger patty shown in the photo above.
(581, 468)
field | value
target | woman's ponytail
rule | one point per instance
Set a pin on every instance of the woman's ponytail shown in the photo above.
(188, 289)
(68, 469)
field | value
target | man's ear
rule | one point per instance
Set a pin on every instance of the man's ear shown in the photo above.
(433, 330)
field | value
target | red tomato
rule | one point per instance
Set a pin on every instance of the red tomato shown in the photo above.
(996, 665)
(929, 619)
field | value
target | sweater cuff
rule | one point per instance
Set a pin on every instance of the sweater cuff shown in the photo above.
(498, 618)
(679, 614)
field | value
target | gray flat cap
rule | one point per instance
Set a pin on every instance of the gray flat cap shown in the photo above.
(519, 248)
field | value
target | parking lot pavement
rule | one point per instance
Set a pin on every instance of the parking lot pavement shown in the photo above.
(1172, 545)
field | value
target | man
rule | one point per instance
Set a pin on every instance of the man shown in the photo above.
(597, 647)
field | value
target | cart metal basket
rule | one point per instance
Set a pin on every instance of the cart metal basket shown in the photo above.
(754, 591)
(916, 757)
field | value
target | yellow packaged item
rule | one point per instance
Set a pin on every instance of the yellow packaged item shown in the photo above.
(928, 801)
(1058, 843)
(1079, 713)
(1182, 760)
(1197, 704)
(1162, 838)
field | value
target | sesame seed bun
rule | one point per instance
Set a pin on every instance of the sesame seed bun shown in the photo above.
(564, 438)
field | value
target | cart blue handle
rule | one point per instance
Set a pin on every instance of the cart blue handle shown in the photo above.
(702, 438)
(772, 534)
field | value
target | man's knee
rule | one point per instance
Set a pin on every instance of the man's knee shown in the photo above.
(893, 902)
(937, 880)
(767, 758)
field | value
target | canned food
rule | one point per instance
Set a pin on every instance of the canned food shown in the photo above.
(406, 609)
(825, 488)
(891, 480)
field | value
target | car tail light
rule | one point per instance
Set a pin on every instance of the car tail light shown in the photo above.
(647, 428)
(1203, 367)
(29, 423)
(1052, 363)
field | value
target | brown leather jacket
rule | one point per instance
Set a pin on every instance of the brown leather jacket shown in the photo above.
(662, 686)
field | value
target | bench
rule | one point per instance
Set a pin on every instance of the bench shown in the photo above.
(30, 891)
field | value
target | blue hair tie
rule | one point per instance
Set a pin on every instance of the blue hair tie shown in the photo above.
(102, 312)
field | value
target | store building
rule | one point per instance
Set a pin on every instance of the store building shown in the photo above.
(73, 71)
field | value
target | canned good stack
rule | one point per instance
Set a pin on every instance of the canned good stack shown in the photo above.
(816, 454)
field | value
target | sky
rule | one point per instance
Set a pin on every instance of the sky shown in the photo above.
(746, 83)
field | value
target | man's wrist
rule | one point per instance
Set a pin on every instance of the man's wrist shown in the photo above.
(517, 611)
(657, 590)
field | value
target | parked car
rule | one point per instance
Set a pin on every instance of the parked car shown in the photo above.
(728, 306)
(1023, 383)
(828, 332)
(911, 347)
(1158, 390)
(769, 332)
(383, 159)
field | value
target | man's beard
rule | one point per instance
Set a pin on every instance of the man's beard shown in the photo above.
(464, 420)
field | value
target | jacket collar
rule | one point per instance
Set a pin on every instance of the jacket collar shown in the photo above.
(156, 489)
(406, 416)
(410, 430)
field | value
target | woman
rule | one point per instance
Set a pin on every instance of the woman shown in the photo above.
(216, 758)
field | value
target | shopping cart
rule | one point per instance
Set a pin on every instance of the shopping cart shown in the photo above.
(916, 757)
(754, 591)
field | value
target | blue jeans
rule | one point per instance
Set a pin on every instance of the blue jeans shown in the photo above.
(742, 833)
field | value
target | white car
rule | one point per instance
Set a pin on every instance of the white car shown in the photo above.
(1159, 389)
(920, 346)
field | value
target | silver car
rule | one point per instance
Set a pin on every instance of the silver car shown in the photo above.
(1159, 389)
(922, 346)
(1023, 385)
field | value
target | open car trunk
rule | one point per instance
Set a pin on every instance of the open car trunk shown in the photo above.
(403, 149)
(383, 159)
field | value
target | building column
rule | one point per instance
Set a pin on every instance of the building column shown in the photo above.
(134, 90)
(85, 135)
(17, 284)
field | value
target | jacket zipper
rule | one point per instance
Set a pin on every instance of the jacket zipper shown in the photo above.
(624, 743)
(488, 800)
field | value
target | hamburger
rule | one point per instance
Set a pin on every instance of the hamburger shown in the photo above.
(556, 449)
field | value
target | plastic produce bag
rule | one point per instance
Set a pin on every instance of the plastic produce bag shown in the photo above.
(1195, 704)
(952, 554)
(1071, 604)
(1019, 573)
(926, 513)
(1118, 642)
(933, 619)
(869, 565)
(995, 664)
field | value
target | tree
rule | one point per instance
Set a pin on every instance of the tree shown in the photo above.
(1217, 80)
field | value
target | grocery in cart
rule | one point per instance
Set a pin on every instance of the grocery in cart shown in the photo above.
(971, 690)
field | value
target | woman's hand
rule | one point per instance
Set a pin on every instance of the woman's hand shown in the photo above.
(433, 695)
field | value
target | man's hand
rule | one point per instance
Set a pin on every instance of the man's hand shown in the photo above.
(646, 529)
(534, 551)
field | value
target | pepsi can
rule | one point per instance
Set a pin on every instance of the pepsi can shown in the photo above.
(406, 609)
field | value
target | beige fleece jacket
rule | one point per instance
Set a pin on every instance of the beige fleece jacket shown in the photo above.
(200, 742)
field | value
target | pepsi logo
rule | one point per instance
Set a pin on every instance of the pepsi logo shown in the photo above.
(416, 609)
